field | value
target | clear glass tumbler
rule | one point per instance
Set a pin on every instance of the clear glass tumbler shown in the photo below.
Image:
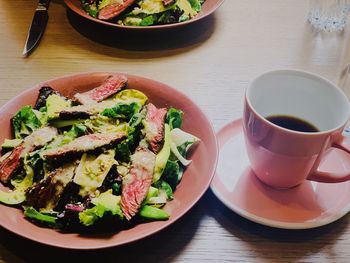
(328, 15)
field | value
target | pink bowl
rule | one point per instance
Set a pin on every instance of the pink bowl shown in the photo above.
(208, 8)
(195, 182)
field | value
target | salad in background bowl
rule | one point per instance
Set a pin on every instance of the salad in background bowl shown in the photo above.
(101, 150)
(144, 14)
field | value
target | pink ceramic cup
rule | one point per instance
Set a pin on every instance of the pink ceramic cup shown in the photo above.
(284, 158)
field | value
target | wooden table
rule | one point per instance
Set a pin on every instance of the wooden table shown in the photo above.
(212, 61)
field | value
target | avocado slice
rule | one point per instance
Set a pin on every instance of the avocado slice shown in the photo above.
(18, 195)
(92, 170)
(55, 104)
(163, 156)
(152, 192)
(12, 197)
(8, 145)
(151, 212)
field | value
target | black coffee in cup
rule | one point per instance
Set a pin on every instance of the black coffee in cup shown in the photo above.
(292, 123)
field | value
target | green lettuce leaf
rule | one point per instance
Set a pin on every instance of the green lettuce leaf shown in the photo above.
(76, 131)
(161, 184)
(172, 173)
(123, 152)
(196, 5)
(148, 20)
(104, 203)
(122, 111)
(91, 9)
(174, 118)
(25, 122)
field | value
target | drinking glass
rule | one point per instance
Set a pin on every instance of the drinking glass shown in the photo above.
(328, 15)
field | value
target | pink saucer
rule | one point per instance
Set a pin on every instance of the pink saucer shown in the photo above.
(308, 205)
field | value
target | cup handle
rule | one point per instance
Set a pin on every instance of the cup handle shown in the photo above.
(338, 154)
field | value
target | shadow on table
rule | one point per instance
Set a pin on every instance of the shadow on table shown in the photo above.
(267, 242)
(164, 246)
(180, 39)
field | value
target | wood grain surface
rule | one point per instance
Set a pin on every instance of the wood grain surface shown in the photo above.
(212, 61)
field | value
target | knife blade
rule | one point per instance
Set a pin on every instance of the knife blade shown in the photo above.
(37, 27)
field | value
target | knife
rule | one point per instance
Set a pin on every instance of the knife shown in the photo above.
(37, 27)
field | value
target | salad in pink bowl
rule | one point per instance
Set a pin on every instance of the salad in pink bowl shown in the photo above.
(101, 153)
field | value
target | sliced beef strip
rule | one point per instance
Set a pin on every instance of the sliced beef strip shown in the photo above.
(110, 86)
(154, 132)
(37, 139)
(85, 111)
(137, 182)
(83, 144)
(10, 165)
(74, 114)
(47, 193)
(168, 2)
(40, 138)
(113, 10)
